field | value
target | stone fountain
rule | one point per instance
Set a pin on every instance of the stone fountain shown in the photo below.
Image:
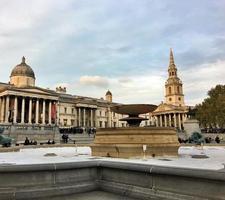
(135, 141)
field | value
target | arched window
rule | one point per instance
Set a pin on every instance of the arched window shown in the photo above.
(178, 89)
(170, 90)
(172, 73)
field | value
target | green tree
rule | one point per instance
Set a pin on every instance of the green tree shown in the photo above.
(211, 112)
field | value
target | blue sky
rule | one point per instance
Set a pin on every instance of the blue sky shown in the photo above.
(91, 46)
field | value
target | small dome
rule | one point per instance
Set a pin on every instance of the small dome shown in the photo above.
(22, 70)
(108, 93)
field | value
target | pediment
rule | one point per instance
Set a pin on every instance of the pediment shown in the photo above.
(164, 107)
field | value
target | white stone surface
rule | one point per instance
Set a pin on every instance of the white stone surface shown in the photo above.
(215, 161)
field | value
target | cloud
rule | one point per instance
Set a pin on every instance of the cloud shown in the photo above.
(200, 79)
(96, 81)
(121, 46)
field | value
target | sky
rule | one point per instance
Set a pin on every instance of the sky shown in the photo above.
(90, 46)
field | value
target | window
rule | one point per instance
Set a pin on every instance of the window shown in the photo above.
(65, 110)
(170, 90)
(170, 99)
(178, 89)
(100, 124)
(114, 124)
(172, 73)
(106, 124)
(100, 113)
(72, 122)
(65, 122)
(179, 98)
(72, 110)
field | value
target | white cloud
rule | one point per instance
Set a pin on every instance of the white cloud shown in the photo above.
(200, 79)
(96, 81)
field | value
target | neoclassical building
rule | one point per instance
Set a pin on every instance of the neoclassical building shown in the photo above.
(27, 109)
(173, 111)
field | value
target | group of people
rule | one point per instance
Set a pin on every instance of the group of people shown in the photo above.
(51, 142)
(30, 142)
(206, 140)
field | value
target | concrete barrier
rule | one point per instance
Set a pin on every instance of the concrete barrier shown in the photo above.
(127, 179)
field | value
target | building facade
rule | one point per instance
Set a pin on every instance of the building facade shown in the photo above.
(26, 108)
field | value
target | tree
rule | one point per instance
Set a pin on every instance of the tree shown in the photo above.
(211, 112)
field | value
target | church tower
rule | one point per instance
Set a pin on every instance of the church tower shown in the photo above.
(174, 87)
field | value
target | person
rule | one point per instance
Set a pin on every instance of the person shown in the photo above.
(65, 138)
(217, 139)
(26, 142)
(53, 142)
(49, 141)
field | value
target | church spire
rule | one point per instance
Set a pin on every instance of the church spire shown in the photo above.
(171, 57)
(172, 63)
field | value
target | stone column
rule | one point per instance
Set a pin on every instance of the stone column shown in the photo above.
(15, 110)
(2, 109)
(160, 118)
(37, 112)
(170, 124)
(57, 114)
(43, 112)
(165, 120)
(76, 117)
(7, 110)
(156, 121)
(91, 118)
(175, 120)
(30, 112)
(183, 117)
(95, 117)
(50, 112)
(23, 110)
(179, 121)
(79, 117)
(84, 117)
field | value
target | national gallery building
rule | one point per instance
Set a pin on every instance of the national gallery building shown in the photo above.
(28, 109)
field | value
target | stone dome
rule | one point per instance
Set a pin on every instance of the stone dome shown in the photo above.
(108, 93)
(23, 70)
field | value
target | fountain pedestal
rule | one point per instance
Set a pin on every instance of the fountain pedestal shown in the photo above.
(127, 142)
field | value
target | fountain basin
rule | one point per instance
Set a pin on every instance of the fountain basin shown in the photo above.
(128, 142)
